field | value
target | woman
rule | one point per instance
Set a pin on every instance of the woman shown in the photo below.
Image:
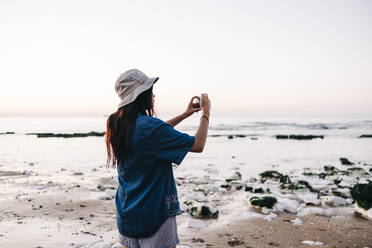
(143, 148)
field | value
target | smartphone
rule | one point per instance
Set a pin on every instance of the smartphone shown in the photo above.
(196, 103)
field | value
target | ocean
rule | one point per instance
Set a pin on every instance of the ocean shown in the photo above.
(255, 150)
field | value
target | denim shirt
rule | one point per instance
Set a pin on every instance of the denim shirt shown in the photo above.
(147, 193)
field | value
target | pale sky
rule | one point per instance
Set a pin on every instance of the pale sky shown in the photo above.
(253, 58)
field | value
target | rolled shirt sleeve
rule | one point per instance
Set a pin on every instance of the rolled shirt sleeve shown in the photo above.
(169, 144)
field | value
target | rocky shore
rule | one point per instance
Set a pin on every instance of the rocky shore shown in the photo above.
(73, 208)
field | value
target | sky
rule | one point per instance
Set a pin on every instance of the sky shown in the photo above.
(253, 58)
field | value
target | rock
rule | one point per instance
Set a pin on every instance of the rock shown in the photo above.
(274, 175)
(334, 201)
(286, 205)
(266, 201)
(235, 241)
(299, 137)
(312, 211)
(240, 135)
(8, 133)
(365, 136)
(197, 240)
(270, 217)
(238, 186)
(357, 171)
(362, 195)
(309, 199)
(110, 193)
(297, 222)
(77, 173)
(235, 177)
(117, 245)
(365, 213)
(258, 191)
(67, 135)
(211, 171)
(301, 184)
(226, 186)
(203, 211)
(199, 196)
(183, 207)
(101, 188)
(345, 161)
(196, 224)
(330, 168)
(252, 180)
(203, 180)
(312, 243)
(344, 193)
(211, 188)
(27, 172)
(248, 189)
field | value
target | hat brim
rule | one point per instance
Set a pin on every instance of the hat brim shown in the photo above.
(137, 91)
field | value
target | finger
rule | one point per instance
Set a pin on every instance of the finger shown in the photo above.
(192, 99)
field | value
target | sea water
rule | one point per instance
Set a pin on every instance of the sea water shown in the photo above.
(257, 151)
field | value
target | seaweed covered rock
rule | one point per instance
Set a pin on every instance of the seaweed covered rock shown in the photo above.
(362, 195)
(265, 201)
(365, 136)
(274, 175)
(301, 184)
(203, 211)
(8, 133)
(345, 161)
(339, 193)
(67, 135)
(334, 201)
(299, 137)
(235, 177)
(330, 169)
(256, 190)
(357, 171)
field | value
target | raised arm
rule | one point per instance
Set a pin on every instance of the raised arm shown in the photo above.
(202, 132)
(188, 112)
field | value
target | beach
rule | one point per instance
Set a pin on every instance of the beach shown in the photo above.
(57, 192)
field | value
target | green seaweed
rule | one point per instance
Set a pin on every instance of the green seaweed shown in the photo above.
(345, 161)
(301, 184)
(362, 194)
(248, 189)
(266, 201)
(272, 174)
(258, 191)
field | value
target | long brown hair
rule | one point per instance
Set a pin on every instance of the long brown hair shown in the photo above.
(120, 127)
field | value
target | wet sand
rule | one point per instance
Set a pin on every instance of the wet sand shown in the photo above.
(345, 232)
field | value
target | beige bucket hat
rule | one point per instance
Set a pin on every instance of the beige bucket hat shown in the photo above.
(132, 83)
